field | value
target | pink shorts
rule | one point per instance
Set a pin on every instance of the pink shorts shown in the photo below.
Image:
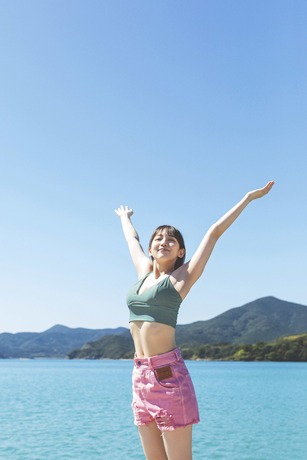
(163, 392)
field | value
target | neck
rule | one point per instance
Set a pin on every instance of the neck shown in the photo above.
(161, 269)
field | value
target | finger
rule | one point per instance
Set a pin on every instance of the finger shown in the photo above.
(270, 185)
(119, 210)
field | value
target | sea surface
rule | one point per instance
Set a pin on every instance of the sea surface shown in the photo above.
(80, 410)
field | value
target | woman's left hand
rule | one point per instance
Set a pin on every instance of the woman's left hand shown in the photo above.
(259, 193)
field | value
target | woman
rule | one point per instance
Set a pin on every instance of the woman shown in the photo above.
(164, 400)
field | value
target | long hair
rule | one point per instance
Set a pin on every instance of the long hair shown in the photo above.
(174, 232)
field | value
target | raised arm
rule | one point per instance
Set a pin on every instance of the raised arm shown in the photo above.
(193, 269)
(141, 262)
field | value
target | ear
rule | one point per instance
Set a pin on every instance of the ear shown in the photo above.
(181, 253)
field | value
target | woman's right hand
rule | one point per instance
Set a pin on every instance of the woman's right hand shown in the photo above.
(141, 262)
(124, 211)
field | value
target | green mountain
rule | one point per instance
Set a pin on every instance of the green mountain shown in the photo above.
(56, 342)
(110, 347)
(263, 320)
(291, 348)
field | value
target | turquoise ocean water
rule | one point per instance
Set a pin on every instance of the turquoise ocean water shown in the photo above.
(80, 410)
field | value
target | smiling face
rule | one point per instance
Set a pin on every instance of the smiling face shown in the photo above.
(167, 242)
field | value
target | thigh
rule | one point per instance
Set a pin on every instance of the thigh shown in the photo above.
(178, 443)
(152, 442)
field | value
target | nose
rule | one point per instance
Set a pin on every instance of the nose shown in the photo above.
(163, 242)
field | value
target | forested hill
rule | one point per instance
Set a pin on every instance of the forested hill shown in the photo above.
(56, 342)
(263, 320)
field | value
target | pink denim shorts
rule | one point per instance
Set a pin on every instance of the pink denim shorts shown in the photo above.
(163, 392)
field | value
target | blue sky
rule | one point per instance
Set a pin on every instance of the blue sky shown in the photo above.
(175, 108)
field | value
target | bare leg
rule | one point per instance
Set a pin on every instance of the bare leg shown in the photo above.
(152, 442)
(178, 443)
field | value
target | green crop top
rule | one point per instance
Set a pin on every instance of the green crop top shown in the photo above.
(159, 303)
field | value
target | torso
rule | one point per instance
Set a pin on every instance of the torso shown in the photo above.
(152, 338)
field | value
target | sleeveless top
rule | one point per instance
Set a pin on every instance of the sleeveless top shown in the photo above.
(159, 303)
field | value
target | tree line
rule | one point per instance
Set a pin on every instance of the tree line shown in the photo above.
(293, 348)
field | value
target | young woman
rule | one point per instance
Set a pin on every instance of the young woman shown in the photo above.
(164, 401)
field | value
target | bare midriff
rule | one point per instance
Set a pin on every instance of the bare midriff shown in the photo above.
(151, 339)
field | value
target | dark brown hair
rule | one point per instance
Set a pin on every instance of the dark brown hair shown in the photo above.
(171, 231)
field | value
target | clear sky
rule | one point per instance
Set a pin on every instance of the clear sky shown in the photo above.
(175, 108)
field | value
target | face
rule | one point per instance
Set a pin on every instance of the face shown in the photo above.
(165, 246)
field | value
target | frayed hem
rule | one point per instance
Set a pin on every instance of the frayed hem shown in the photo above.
(138, 424)
(165, 428)
(173, 428)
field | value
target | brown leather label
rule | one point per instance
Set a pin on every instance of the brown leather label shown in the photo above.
(164, 373)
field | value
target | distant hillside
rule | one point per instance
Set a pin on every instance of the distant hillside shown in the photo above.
(262, 320)
(110, 347)
(56, 342)
(292, 348)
